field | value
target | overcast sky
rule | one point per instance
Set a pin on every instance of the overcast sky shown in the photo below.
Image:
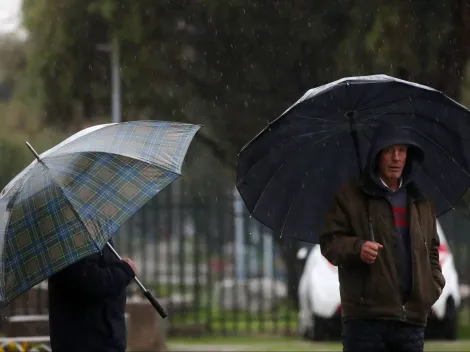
(10, 15)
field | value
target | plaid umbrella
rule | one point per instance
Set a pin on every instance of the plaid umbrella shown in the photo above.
(68, 203)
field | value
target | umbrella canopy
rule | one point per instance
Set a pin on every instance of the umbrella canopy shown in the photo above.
(69, 202)
(287, 174)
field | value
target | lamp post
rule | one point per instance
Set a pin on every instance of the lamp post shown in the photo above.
(113, 49)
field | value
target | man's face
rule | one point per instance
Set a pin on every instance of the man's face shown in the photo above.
(392, 161)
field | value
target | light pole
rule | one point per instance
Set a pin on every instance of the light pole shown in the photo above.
(113, 49)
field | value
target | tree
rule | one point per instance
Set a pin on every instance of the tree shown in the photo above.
(232, 65)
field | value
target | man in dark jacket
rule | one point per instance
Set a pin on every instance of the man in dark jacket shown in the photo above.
(381, 233)
(87, 304)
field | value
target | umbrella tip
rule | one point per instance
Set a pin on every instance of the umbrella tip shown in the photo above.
(33, 150)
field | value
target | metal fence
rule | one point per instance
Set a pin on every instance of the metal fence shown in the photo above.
(217, 270)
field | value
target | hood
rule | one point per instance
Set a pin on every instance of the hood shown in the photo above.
(385, 136)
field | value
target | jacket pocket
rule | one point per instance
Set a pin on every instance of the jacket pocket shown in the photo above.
(368, 287)
(354, 282)
(427, 292)
(105, 316)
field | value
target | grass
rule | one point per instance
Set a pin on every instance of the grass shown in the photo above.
(256, 324)
(241, 322)
(285, 319)
(284, 344)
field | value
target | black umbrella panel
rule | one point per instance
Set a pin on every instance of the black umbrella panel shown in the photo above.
(287, 175)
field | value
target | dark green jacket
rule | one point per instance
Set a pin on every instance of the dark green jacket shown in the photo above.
(373, 290)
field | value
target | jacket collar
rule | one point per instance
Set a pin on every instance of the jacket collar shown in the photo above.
(383, 182)
(370, 188)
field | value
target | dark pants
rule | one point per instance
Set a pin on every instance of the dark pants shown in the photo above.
(381, 336)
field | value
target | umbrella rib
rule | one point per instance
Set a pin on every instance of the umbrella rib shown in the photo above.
(310, 102)
(381, 105)
(359, 99)
(374, 116)
(375, 97)
(267, 185)
(22, 180)
(391, 104)
(290, 139)
(411, 98)
(288, 213)
(423, 117)
(116, 154)
(315, 118)
(295, 198)
(20, 188)
(437, 186)
(275, 173)
(442, 150)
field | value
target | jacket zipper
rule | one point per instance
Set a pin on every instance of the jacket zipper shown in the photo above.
(413, 239)
(413, 245)
(403, 307)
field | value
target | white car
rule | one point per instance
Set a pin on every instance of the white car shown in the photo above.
(320, 303)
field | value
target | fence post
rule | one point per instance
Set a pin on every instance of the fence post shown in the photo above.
(238, 208)
(268, 251)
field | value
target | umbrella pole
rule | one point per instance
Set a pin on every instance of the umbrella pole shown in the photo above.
(353, 130)
(147, 293)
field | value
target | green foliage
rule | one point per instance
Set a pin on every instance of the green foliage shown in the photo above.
(14, 154)
(13, 158)
(17, 128)
(62, 55)
(230, 65)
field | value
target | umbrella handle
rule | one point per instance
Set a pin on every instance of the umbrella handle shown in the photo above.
(371, 230)
(155, 304)
(147, 293)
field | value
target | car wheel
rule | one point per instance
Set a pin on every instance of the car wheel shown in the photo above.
(450, 322)
(318, 329)
(306, 333)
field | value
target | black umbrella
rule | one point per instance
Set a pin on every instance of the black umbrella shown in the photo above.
(287, 175)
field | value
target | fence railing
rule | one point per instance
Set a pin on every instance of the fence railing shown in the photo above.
(217, 269)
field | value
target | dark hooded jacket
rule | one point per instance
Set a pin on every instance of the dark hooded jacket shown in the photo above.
(87, 305)
(386, 136)
(406, 278)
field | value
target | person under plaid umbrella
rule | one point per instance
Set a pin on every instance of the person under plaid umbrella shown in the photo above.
(60, 213)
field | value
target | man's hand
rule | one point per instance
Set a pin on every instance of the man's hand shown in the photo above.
(369, 251)
(131, 263)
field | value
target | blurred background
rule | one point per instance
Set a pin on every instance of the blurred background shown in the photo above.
(232, 66)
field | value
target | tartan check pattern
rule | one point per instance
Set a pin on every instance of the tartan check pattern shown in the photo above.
(68, 206)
